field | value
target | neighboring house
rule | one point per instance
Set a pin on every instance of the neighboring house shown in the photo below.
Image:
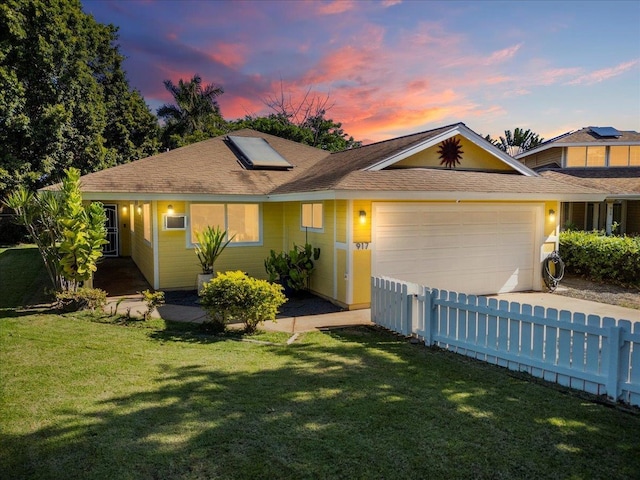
(602, 158)
(443, 207)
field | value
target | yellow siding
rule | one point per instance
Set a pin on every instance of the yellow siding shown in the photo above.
(361, 231)
(473, 157)
(341, 271)
(142, 251)
(179, 265)
(361, 277)
(341, 220)
(124, 216)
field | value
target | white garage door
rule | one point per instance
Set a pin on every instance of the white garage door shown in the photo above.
(476, 249)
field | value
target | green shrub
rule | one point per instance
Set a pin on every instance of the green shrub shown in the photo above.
(234, 296)
(602, 258)
(82, 299)
(152, 300)
(292, 270)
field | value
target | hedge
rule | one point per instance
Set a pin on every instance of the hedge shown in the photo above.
(602, 258)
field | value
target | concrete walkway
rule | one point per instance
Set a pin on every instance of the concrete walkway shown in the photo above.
(194, 314)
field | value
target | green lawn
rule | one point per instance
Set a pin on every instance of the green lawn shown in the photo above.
(82, 399)
(23, 277)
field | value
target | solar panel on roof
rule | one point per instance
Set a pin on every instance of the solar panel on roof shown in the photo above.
(605, 131)
(256, 153)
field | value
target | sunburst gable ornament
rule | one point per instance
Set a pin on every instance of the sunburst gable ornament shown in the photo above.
(450, 152)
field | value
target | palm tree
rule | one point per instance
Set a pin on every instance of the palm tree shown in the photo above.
(517, 142)
(196, 109)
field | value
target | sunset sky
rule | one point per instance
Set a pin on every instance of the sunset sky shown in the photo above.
(395, 67)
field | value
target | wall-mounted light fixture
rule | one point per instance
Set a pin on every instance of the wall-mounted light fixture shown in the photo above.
(363, 216)
(124, 209)
(170, 210)
(552, 215)
(139, 210)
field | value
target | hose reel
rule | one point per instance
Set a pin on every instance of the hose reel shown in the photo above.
(552, 270)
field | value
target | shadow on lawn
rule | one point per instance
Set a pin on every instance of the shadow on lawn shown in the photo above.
(353, 403)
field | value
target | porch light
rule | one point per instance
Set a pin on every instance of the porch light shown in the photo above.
(363, 216)
(552, 215)
(124, 209)
(170, 209)
(139, 210)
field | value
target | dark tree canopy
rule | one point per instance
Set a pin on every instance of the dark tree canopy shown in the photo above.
(517, 142)
(64, 98)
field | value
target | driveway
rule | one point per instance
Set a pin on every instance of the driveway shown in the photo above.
(576, 305)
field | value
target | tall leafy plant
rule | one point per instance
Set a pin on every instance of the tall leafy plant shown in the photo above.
(68, 234)
(83, 233)
(211, 242)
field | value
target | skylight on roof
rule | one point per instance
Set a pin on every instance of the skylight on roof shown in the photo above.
(606, 132)
(256, 153)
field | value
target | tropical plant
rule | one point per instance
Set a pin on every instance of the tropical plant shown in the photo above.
(151, 300)
(517, 142)
(292, 270)
(68, 234)
(195, 114)
(235, 296)
(210, 245)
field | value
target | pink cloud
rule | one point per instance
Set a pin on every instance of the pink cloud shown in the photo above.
(232, 55)
(334, 8)
(503, 55)
(603, 74)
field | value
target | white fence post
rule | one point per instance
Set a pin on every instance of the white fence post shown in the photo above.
(430, 316)
(613, 381)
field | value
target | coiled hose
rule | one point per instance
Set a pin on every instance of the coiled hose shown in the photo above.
(552, 278)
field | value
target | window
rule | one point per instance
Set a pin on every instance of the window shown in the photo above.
(576, 156)
(619, 156)
(634, 156)
(312, 215)
(596, 156)
(240, 220)
(146, 221)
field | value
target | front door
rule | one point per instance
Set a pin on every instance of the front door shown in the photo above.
(110, 249)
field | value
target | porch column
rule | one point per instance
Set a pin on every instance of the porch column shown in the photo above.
(609, 217)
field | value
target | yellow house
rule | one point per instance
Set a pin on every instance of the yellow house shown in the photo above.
(444, 208)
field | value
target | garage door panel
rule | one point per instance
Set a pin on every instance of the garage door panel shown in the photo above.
(477, 249)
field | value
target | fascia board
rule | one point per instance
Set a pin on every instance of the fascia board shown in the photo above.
(413, 150)
(188, 197)
(444, 195)
(496, 152)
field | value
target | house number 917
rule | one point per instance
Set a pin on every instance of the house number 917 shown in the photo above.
(362, 246)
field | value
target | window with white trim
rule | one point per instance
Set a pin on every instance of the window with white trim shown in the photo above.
(240, 220)
(312, 216)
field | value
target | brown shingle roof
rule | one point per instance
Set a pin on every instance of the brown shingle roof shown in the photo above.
(207, 167)
(336, 167)
(585, 135)
(620, 181)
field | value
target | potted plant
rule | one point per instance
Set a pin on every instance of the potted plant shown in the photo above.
(210, 244)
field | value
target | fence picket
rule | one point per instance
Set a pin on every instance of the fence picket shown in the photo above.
(578, 353)
(481, 335)
(564, 347)
(514, 334)
(634, 376)
(597, 355)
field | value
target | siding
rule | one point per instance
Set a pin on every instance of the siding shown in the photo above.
(546, 157)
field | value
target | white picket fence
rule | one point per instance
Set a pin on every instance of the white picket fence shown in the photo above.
(585, 352)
